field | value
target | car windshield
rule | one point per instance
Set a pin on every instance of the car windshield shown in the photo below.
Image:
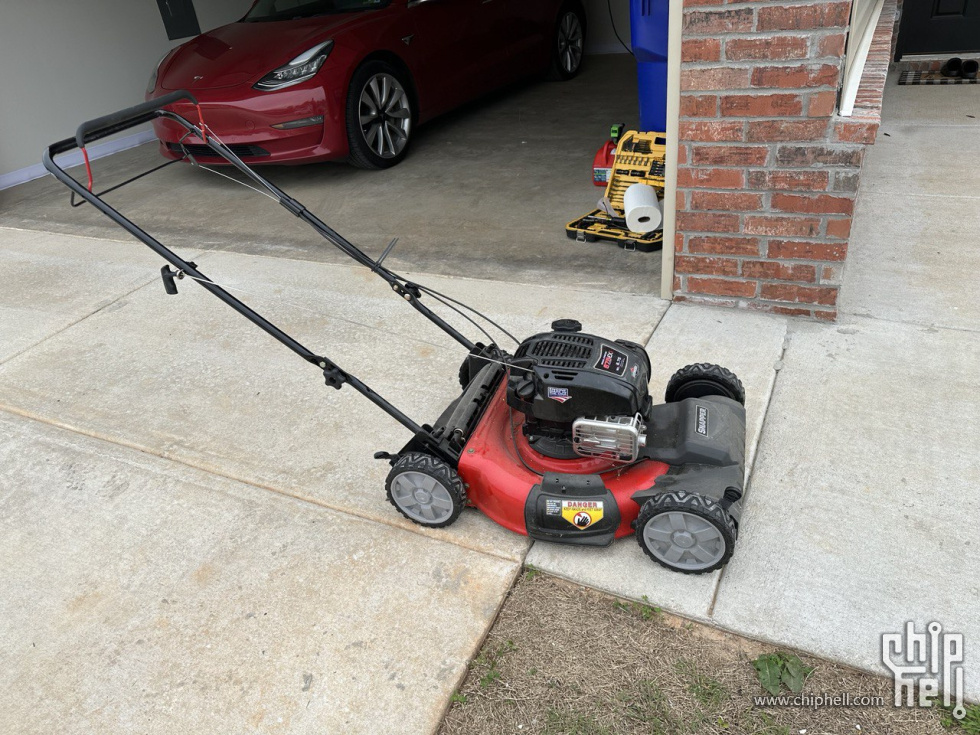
(289, 9)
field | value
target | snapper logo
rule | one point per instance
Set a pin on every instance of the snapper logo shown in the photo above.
(559, 394)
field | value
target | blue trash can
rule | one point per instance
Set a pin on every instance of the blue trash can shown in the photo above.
(648, 32)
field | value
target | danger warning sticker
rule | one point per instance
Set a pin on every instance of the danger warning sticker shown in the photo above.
(581, 513)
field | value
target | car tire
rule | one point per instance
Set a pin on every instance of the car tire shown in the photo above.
(568, 42)
(380, 116)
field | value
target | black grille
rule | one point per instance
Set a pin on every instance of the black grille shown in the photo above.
(204, 151)
(560, 350)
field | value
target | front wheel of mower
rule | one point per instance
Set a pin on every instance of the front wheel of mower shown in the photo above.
(704, 379)
(426, 490)
(686, 533)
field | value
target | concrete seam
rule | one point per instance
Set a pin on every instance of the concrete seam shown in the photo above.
(755, 455)
(259, 486)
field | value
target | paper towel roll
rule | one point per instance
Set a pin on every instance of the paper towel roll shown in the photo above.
(642, 208)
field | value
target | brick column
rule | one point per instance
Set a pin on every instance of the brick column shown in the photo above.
(767, 173)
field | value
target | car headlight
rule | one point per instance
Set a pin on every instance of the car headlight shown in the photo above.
(152, 84)
(298, 70)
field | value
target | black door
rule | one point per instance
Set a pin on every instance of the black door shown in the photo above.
(939, 27)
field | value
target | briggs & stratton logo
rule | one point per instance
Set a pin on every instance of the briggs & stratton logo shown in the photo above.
(559, 394)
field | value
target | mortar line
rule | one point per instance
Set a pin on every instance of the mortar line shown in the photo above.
(755, 457)
(250, 483)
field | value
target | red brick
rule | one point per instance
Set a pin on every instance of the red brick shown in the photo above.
(819, 155)
(693, 3)
(786, 226)
(856, 132)
(807, 250)
(767, 131)
(768, 47)
(721, 286)
(718, 21)
(723, 130)
(761, 105)
(822, 295)
(704, 222)
(839, 228)
(804, 17)
(846, 181)
(724, 245)
(729, 155)
(677, 284)
(701, 49)
(711, 178)
(832, 45)
(819, 204)
(706, 266)
(726, 201)
(795, 77)
(789, 180)
(821, 104)
(779, 271)
(704, 105)
(678, 242)
(714, 78)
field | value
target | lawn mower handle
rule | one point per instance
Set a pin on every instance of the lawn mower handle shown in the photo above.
(147, 111)
(114, 122)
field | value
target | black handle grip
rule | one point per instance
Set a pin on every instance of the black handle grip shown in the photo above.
(130, 117)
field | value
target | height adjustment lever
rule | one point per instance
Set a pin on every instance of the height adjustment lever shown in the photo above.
(169, 285)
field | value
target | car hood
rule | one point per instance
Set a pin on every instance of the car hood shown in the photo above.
(243, 52)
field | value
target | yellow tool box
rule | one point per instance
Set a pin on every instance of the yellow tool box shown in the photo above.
(639, 160)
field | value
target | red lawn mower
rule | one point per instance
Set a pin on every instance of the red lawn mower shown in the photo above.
(560, 440)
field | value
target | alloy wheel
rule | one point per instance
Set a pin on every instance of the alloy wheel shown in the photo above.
(385, 115)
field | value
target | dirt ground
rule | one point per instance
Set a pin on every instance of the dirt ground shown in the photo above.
(567, 660)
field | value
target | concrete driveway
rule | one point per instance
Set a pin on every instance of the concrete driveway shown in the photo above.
(197, 536)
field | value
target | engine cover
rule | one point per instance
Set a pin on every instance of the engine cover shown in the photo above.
(571, 375)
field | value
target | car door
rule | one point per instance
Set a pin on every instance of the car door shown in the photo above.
(525, 32)
(449, 47)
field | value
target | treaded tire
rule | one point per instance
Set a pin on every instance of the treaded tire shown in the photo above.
(693, 505)
(413, 465)
(556, 71)
(360, 154)
(704, 379)
(464, 373)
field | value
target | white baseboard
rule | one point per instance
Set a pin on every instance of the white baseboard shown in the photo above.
(99, 150)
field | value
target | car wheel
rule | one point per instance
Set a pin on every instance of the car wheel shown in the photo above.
(568, 45)
(380, 116)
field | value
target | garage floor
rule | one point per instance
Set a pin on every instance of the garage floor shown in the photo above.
(485, 193)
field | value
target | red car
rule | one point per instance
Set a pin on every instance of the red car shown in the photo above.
(296, 81)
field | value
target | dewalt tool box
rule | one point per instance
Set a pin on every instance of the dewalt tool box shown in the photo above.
(639, 160)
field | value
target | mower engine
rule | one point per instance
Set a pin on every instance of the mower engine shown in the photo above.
(582, 395)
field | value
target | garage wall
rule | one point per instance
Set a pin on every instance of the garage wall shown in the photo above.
(601, 39)
(69, 62)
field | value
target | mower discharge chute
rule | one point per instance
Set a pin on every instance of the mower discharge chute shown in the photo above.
(560, 440)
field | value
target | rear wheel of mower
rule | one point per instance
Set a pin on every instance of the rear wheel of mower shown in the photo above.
(426, 490)
(686, 533)
(704, 379)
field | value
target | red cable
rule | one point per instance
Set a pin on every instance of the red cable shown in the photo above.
(200, 119)
(88, 168)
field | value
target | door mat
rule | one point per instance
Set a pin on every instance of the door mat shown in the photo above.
(931, 77)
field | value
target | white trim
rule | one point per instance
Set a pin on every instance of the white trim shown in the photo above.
(675, 29)
(864, 21)
(74, 158)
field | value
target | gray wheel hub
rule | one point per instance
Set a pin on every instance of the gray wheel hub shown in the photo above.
(385, 115)
(571, 42)
(422, 497)
(684, 540)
